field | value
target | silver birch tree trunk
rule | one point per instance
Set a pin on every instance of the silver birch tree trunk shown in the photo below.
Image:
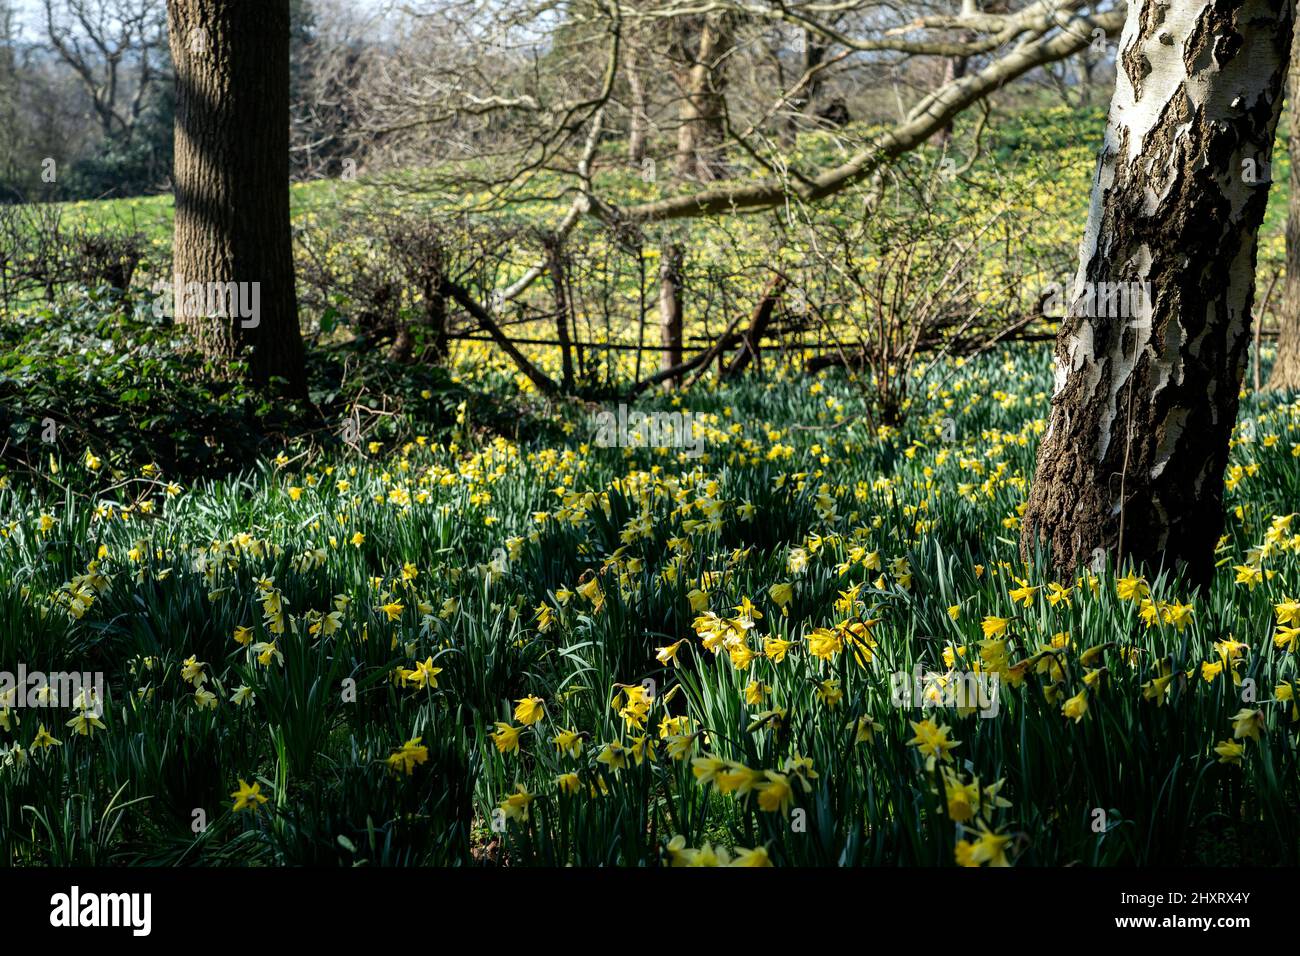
(1150, 357)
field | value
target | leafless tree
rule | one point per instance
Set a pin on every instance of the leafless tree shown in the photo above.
(117, 49)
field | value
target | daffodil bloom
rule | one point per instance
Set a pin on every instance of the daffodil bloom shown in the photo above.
(267, 651)
(408, 756)
(85, 723)
(192, 671)
(1131, 587)
(1229, 751)
(668, 655)
(393, 610)
(1287, 638)
(830, 693)
(515, 806)
(932, 741)
(568, 741)
(1248, 723)
(568, 783)
(1287, 611)
(1158, 689)
(506, 737)
(1076, 707)
(1024, 592)
(824, 643)
(757, 857)
(994, 626)
(988, 849)
(706, 769)
(44, 740)
(248, 797)
(775, 793)
(775, 649)
(1285, 692)
(529, 710)
(613, 755)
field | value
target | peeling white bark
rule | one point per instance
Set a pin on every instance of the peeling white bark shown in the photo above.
(1143, 404)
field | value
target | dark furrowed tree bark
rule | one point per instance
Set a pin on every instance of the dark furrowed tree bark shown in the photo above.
(1286, 368)
(232, 180)
(1132, 462)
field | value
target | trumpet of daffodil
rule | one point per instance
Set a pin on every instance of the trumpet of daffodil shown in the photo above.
(1158, 688)
(1248, 574)
(864, 729)
(1285, 692)
(243, 636)
(568, 783)
(248, 796)
(593, 594)
(757, 857)
(781, 594)
(529, 710)
(642, 748)
(506, 737)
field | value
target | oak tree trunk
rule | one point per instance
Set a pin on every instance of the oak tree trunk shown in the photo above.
(1286, 369)
(1151, 356)
(231, 180)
